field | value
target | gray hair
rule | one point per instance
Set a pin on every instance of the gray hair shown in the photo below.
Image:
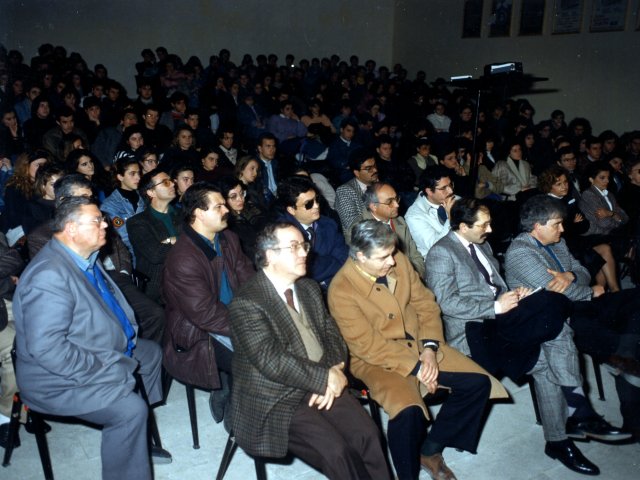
(268, 240)
(540, 209)
(370, 235)
(69, 210)
(371, 194)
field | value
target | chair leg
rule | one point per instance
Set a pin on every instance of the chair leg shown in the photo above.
(229, 450)
(261, 471)
(166, 379)
(153, 426)
(43, 447)
(598, 375)
(193, 416)
(534, 399)
(14, 427)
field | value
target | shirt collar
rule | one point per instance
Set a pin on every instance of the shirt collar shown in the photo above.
(83, 264)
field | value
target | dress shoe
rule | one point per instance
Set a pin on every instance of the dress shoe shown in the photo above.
(4, 437)
(571, 457)
(434, 465)
(595, 427)
(160, 456)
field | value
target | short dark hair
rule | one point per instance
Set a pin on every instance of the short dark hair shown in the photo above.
(291, 188)
(64, 111)
(267, 240)
(359, 156)
(266, 136)
(465, 210)
(431, 175)
(592, 140)
(64, 187)
(122, 164)
(594, 168)
(197, 196)
(68, 210)
(181, 167)
(369, 235)
(349, 122)
(540, 209)
(228, 183)
(146, 181)
(44, 174)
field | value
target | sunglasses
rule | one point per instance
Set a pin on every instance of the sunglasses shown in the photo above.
(167, 182)
(308, 205)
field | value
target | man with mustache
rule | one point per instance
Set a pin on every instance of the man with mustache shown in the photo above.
(202, 271)
(428, 217)
(513, 332)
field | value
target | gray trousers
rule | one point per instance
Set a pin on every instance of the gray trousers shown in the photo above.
(557, 367)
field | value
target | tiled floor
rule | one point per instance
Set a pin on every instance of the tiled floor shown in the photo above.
(511, 447)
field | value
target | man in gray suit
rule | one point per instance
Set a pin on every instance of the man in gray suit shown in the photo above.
(288, 389)
(76, 345)
(514, 332)
(606, 325)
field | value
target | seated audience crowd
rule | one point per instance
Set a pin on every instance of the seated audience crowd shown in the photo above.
(273, 233)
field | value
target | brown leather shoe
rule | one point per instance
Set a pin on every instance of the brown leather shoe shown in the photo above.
(434, 465)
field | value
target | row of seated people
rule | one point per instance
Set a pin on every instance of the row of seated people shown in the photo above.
(159, 232)
(210, 294)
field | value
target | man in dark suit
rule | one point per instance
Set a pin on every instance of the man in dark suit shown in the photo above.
(77, 348)
(288, 389)
(299, 198)
(513, 332)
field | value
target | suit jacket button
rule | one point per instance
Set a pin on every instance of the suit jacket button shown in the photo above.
(377, 289)
(409, 344)
(392, 316)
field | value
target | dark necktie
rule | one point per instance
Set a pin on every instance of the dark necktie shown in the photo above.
(483, 271)
(288, 294)
(382, 281)
(442, 215)
(311, 235)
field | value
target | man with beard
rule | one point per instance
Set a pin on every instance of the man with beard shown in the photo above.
(202, 271)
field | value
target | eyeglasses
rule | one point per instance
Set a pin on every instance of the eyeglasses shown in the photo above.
(444, 187)
(308, 205)
(95, 221)
(150, 160)
(237, 196)
(390, 202)
(295, 247)
(481, 226)
(167, 182)
(370, 168)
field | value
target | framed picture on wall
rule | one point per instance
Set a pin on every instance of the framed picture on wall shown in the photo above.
(532, 17)
(500, 19)
(567, 16)
(472, 21)
(608, 15)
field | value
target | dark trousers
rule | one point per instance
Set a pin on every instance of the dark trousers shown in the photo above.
(609, 324)
(510, 343)
(342, 442)
(149, 314)
(457, 424)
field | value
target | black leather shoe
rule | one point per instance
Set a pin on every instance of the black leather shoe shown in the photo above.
(571, 457)
(4, 437)
(595, 427)
(160, 456)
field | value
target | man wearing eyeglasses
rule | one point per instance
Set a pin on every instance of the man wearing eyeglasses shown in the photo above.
(77, 345)
(349, 204)
(392, 326)
(428, 217)
(382, 204)
(202, 272)
(153, 232)
(299, 199)
(289, 385)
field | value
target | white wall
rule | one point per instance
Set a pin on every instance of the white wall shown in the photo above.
(114, 32)
(597, 74)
